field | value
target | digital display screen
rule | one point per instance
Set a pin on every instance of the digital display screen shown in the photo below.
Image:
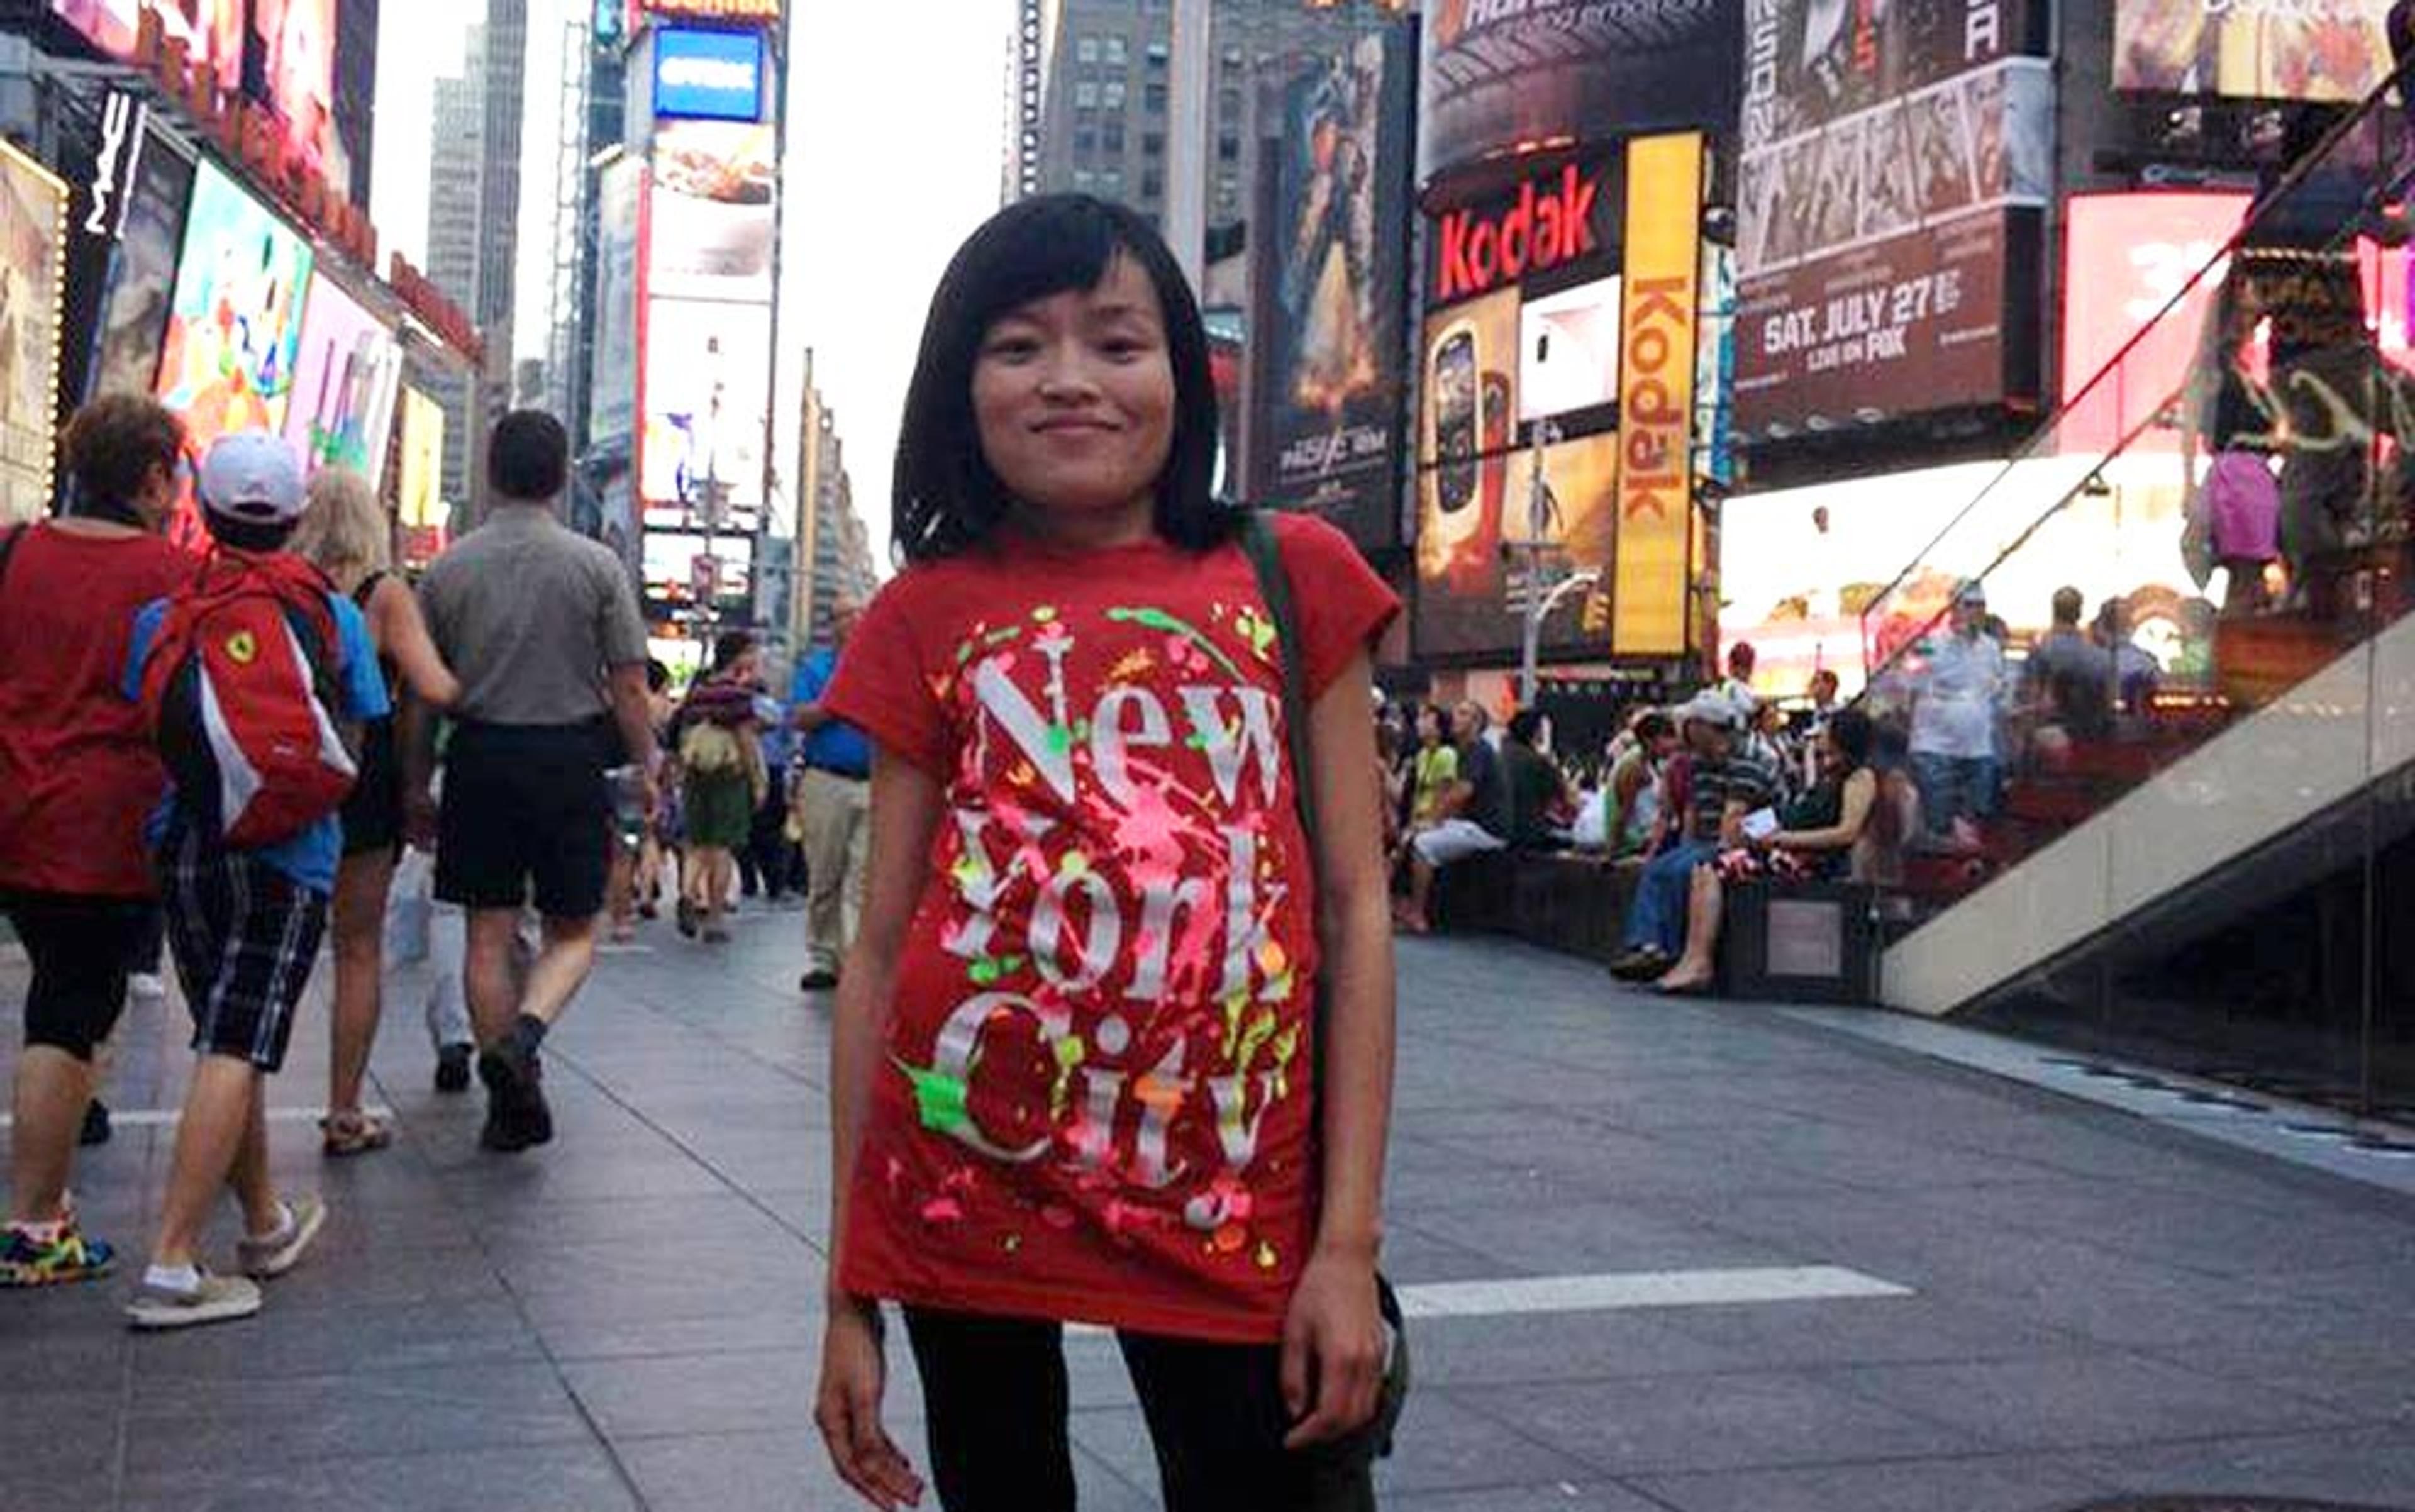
(708, 75)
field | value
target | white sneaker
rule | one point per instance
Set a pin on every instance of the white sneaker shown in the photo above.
(277, 1253)
(146, 985)
(216, 1299)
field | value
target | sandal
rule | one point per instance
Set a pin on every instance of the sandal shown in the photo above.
(352, 1134)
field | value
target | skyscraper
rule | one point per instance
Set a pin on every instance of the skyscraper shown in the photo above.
(456, 157)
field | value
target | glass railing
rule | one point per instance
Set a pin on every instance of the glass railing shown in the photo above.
(2217, 522)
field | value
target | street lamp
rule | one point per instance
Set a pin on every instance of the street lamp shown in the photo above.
(1544, 580)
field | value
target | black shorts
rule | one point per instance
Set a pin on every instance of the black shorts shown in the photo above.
(527, 809)
(244, 937)
(373, 809)
(80, 948)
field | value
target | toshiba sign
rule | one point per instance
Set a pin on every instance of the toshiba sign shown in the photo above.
(1547, 223)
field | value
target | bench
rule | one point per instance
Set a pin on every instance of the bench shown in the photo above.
(1565, 900)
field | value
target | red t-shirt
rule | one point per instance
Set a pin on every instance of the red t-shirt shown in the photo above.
(1094, 1102)
(79, 774)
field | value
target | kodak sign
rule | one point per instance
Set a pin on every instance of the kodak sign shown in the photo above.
(1656, 395)
(1547, 225)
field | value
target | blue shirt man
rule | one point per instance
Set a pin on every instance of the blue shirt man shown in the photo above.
(834, 799)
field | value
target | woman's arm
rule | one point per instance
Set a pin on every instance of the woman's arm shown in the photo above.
(1853, 813)
(1332, 1362)
(401, 633)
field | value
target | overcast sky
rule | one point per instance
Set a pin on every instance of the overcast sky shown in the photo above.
(894, 148)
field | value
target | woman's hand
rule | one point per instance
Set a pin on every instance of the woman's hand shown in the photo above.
(847, 1407)
(1332, 1348)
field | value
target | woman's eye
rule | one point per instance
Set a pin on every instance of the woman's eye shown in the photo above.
(1010, 349)
(1123, 348)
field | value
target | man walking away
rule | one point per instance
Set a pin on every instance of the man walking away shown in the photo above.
(543, 628)
(835, 795)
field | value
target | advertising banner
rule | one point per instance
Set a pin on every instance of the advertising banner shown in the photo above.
(1567, 350)
(707, 396)
(421, 506)
(708, 75)
(1466, 608)
(33, 258)
(2300, 50)
(290, 69)
(234, 324)
(1872, 203)
(1328, 385)
(612, 408)
(211, 30)
(1501, 75)
(2124, 257)
(1555, 219)
(1656, 396)
(1466, 424)
(345, 377)
(678, 564)
(708, 220)
(142, 276)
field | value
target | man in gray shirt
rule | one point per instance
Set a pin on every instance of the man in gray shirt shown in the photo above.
(542, 627)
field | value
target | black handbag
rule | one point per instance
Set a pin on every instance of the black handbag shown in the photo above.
(1373, 1440)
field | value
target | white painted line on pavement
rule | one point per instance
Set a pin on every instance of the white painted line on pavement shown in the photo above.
(160, 1117)
(1640, 1289)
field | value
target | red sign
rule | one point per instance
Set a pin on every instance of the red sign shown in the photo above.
(2125, 256)
(713, 10)
(1549, 225)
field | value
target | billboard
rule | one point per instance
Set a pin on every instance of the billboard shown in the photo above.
(291, 67)
(2125, 256)
(421, 506)
(1466, 424)
(211, 30)
(33, 262)
(708, 75)
(347, 369)
(612, 410)
(1500, 78)
(708, 212)
(1656, 395)
(1882, 149)
(708, 392)
(143, 275)
(1567, 350)
(2307, 50)
(1463, 599)
(1333, 274)
(683, 568)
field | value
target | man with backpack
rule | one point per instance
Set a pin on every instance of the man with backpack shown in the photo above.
(245, 675)
(542, 627)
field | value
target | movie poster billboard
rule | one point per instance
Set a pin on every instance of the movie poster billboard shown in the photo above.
(1464, 606)
(1327, 388)
(143, 275)
(2296, 50)
(710, 220)
(708, 392)
(612, 409)
(346, 371)
(1883, 151)
(420, 506)
(211, 30)
(1502, 77)
(33, 240)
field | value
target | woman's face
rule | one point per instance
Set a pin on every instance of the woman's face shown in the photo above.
(1073, 396)
(1430, 727)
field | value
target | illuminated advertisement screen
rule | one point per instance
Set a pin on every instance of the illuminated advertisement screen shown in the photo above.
(421, 503)
(612, 412)
(708, 75)
(1467, 425)
(2309, 49)
(211, 30)
(33, 218)
(292, 69)
(1463, 606)
(2124, 257)
(708, 222)
(345, 375)
(1327, 387)
(707, 395)
(1567, 350)
(143, 275)
(677, 564)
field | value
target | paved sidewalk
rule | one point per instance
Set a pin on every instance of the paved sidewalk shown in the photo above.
(2072, 1302)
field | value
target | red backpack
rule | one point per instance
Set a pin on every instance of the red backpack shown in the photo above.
(238, 690)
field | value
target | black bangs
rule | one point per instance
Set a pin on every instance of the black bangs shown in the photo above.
(947, 499)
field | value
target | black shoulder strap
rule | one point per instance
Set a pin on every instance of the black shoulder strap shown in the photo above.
(8, 542)
(1274, 585)
(367, 589)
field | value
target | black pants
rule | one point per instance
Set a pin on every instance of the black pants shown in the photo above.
(994, 1393)
(80, 948)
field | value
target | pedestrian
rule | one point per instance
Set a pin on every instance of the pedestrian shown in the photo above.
(718, 735)
(1472, 818)
(1958, 694)
(542, 627)
(247, 906)
(345, 533)
(1537, 799)
(1073, 1047)
(78, 777)
(1723, 786)
(834, 798)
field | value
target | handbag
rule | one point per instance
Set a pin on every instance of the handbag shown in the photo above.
(1374, 1438)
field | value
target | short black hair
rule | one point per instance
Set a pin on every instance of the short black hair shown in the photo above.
(729, 646)
(947, 499)
(1852, 732)
(1525, 725)
(111, 445)
(257, 537)
(658, 677)
(528, 457)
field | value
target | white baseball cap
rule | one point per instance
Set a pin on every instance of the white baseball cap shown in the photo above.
(253, 477)
(1710, 708)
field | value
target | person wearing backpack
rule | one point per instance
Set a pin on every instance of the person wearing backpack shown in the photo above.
(718, 736)
(78, 775)
(248, 676)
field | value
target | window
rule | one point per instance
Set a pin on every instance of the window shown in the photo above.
(1086, 95)
(1086, 141)
(1159, 52)
(1152, 185)
(1111, 94)
(1112, 182)
(1228, 106)
(1232, 57)
(1086, 49)
(1152, 145)
(1113, 51)
(1085, 179)
(1228, 149)
(1153, 97)
(1112, 136)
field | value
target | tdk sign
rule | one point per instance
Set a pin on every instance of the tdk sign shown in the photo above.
(708, 75)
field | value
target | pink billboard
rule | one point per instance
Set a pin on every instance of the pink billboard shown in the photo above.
(345, 377)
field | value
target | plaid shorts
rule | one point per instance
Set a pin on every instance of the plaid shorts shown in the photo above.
(245, 937)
